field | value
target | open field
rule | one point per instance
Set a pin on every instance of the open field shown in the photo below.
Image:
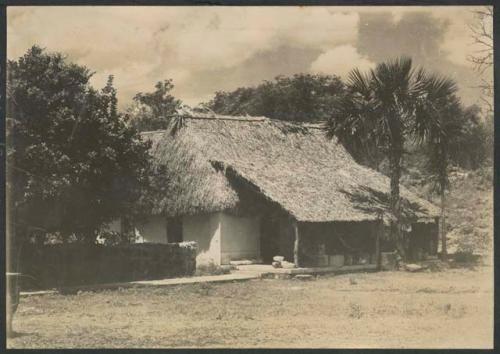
(453, 308)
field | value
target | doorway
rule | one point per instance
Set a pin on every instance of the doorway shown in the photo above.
(174, 230)
(269, 239)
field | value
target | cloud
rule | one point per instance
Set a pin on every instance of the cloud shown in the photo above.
(204, 49)
(141, 45)
(264, 65)
(434, 39)
(340, 61)
(458, 40)
(416, 34)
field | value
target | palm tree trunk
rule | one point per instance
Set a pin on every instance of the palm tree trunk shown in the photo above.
(395, 168)
(442, 223)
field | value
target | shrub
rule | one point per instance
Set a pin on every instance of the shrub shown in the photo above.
(355, 311)
(73, 264)
(465, 257)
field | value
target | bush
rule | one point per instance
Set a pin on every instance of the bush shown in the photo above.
(63, 265)
(465, 257)
(113, 238)
(355, 310)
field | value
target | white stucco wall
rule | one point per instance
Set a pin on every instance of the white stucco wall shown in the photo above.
(220, 237)
(240, 238)
(154, 229)
(205, 230)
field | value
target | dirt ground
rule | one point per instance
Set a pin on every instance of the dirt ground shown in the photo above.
(450, 309)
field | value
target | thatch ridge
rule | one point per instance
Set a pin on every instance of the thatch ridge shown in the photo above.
(292, 164)
(212, 115)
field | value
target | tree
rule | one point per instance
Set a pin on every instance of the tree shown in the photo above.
(74, 164)
(382, 110)
(154, 110)
(302, 98)
(474, 145)
(442, 137)
(482, 59)
(469, 149)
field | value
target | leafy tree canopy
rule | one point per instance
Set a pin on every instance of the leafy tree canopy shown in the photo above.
(302, 97)
(474, 145)
(154, 110)
(390, 108)
(73, 163)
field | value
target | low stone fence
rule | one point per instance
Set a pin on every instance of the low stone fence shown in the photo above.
(61, 265)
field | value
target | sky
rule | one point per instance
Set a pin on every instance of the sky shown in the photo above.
(209, 49)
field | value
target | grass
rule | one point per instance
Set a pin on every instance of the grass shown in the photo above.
(449, 309)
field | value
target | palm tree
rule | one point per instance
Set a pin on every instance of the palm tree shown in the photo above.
(382, 109)
(447, 128)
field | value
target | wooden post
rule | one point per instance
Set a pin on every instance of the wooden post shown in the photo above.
(442, 226)
(380, 230)
(296, 243)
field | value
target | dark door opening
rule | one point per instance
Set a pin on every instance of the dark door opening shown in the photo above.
(423, 241)
(174, 230)
(269, 239)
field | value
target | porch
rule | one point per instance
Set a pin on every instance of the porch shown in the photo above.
(341, 245)
(322, 246)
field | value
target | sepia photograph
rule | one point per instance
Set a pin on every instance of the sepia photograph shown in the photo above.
(249, 177)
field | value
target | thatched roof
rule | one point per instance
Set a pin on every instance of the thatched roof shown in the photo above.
(293, 165)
